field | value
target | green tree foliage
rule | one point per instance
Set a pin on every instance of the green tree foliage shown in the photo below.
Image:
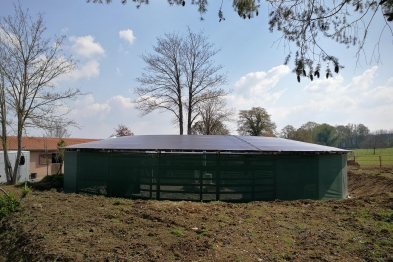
(352, 135)
(8, 204)
(212, 128)
(255, 122)
(299, 134)
(326, 135)
(304, 22)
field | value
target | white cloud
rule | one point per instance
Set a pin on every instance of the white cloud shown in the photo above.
(333, 102)
(325, 85)
(88, 70)
(86, 108)
(335, 85)
(64, 30)
(257, 84)
(118, 72)
(121, 102)
(98, 119)
(120, 49)
(86, 47)
(127, 35)
(364, 81)
(255, 88)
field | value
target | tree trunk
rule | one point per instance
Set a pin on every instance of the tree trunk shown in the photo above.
(18, 154)
(189, 111)
(7, 163)
(180, 115)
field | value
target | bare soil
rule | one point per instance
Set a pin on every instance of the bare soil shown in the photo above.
(54, 226)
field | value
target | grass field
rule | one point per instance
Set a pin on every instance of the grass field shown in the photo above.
(366, 157)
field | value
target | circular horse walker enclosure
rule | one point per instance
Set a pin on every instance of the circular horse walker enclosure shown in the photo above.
(206, 168)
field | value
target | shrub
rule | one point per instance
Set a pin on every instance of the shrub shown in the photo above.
(8, 204)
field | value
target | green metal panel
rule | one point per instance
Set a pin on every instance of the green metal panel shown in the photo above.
(93, 173)
(296, 177)
(332, 177)
(344, 175)
(70, 171)
(207, 177)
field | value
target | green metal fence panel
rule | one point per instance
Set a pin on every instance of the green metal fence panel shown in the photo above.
(71, 169)
(296, 177)
(344, 176)
(332, 177)
(93, 173)
(204, 177)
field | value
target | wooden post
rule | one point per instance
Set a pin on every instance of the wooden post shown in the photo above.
(380, 162)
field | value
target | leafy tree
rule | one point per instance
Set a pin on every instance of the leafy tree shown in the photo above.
(304, 22)
(217, 128)
(288, 132)
(60, 154)
(255, 122)
(179, 77)
(326, 134)
(299, 134)
(309, 127)
(30, 63)
(122, 130)
(352, 135)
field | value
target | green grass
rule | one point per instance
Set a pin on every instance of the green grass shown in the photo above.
(177, 232)
(366, 157)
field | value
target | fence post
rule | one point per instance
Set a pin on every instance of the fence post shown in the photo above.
(380, 162)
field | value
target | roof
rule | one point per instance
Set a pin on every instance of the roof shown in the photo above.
(200, 143)
(42, 143)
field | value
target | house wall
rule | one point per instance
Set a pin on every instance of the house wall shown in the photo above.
(41, 169)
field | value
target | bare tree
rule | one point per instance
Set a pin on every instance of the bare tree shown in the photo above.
(30, 62)
(255, 122)
(375, 140)
(212, 115)
(180, 76)
(57, 129)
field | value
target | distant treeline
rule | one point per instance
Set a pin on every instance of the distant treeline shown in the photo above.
(350, 136)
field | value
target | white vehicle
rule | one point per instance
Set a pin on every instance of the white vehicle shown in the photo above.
(23, 170)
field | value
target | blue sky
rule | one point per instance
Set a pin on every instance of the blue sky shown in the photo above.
(107, 41)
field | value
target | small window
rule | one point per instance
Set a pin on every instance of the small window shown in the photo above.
(50, 159)
(56, 158)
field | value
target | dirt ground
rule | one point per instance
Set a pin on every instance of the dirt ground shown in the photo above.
(55, 226)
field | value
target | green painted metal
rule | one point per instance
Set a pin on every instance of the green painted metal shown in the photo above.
(207, 176)
(71, 170)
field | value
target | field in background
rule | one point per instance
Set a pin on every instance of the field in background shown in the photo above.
(365, 157)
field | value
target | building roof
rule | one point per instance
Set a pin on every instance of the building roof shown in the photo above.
(42, 143)
(200, 143)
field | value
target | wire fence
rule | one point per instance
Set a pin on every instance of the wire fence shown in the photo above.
(371, 160)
